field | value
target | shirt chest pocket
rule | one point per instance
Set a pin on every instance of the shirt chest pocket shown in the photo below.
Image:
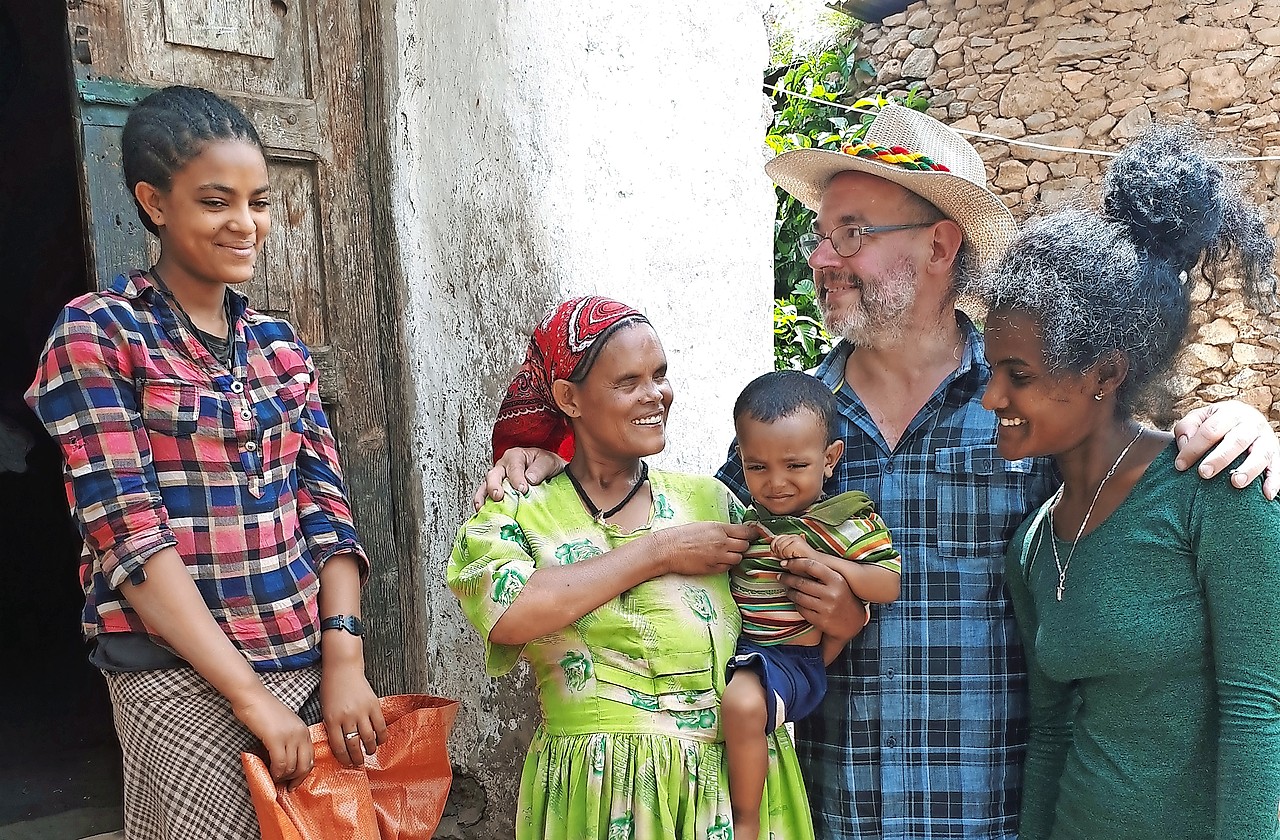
(982, 498)
(281, 418)
(178, 409)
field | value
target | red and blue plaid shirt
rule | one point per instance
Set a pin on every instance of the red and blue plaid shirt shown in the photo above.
(164, 446)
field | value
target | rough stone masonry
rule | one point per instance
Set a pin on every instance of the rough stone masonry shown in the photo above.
(1092, 74)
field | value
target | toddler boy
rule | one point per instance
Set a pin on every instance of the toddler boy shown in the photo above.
(786, 427)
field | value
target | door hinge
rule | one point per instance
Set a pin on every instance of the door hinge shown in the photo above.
(80, 42)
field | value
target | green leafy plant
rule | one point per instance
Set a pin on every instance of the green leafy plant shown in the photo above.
(833, 76)
(799, 340)
(803, 124)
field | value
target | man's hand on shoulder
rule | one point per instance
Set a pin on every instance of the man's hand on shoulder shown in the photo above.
(521, 467)
(1230, 428)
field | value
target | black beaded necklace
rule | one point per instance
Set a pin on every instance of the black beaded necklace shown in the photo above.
(217, 347)
(595, 512)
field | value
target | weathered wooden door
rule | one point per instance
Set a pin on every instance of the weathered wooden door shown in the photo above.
(295, 68)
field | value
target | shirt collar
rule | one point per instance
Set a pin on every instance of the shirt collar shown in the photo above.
(830, 510)
(831, 369)
(973, 355)
(135, 284)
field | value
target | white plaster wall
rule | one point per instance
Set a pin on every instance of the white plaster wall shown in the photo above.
(546, 149)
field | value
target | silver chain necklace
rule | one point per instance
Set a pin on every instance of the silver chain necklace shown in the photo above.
(1057, 497)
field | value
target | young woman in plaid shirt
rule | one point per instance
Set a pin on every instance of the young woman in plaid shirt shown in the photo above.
(203, 476)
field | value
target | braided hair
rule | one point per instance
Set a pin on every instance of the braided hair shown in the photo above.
(1117, 281)
(169, 128)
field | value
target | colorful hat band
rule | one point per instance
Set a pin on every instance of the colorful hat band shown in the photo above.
(894, 156)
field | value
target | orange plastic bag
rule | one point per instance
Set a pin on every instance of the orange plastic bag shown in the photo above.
(399, 794)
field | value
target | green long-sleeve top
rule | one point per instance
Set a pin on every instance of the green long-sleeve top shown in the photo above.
(1155, 682)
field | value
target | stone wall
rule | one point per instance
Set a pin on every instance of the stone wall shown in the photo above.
(1092, 74)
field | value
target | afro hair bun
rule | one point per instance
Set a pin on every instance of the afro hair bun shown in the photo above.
(1169, 195)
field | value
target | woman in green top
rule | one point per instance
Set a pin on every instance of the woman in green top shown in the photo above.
(1146, 597)
(610, 580)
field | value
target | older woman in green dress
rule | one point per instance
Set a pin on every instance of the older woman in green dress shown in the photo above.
(609, 579)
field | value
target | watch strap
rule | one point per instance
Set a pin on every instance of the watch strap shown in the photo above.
(350, 623)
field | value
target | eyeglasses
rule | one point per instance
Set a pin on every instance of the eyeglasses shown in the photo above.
(847, 239)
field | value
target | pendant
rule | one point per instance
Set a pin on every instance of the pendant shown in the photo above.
(1062, 584)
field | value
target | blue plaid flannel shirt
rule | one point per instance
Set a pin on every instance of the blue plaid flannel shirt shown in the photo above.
(923, 729)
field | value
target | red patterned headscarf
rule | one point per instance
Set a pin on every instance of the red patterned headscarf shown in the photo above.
(529, 415)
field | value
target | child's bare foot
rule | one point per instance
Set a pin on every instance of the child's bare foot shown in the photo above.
(746, 828)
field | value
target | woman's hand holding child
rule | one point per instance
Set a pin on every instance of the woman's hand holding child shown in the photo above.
(705, 548)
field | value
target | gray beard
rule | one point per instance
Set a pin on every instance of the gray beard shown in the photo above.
(877, 320)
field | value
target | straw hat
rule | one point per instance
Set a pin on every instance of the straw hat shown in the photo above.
(901, 145)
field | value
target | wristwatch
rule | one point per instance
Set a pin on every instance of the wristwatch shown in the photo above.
(350, 623)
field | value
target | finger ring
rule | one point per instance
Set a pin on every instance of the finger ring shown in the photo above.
(350, 735)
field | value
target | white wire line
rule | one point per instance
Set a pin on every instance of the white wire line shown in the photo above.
(983, 135)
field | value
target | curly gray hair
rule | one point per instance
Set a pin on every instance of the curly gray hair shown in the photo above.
(1117, 281)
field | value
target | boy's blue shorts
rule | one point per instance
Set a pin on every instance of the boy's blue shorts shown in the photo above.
(794, 678)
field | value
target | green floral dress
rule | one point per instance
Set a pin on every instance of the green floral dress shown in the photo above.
(629, 747)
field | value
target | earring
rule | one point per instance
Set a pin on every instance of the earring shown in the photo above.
(1098, 396)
